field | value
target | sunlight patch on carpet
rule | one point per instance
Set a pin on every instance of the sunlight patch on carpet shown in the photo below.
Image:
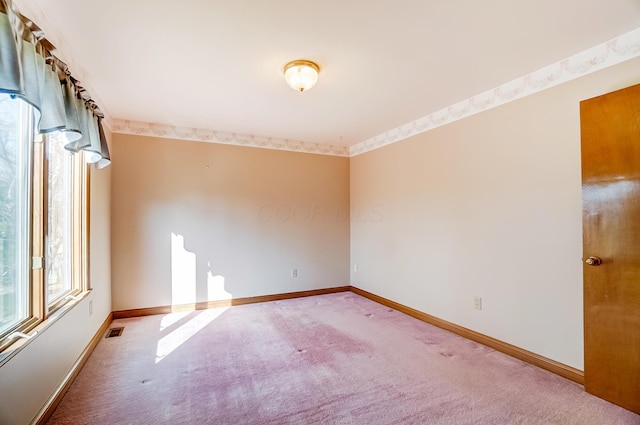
(169, 343)
(170, 319)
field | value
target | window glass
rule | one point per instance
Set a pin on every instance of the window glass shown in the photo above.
(15, 127)
(59, 250)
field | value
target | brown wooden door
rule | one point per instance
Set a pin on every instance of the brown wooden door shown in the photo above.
(610, 129)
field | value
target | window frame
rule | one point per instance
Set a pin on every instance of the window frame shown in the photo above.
(42, 312)
(78, 259)
(34, 315)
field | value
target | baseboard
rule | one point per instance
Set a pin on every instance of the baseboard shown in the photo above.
(47, 410)
(563, 370)
(506, 348)
(123, 314)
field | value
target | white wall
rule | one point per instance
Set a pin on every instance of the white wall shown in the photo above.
(29, 378)
(196, 222)
(487, 206)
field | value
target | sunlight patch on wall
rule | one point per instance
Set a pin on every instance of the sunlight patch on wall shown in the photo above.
(215, 287)
(183, 272)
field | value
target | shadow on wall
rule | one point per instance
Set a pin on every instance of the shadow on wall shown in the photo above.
(184, 277)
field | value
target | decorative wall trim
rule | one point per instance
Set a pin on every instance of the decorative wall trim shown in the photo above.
(615, 51)
(47, 410)
(124, 314)
(213, 136)
(511, 350)
(604, 55)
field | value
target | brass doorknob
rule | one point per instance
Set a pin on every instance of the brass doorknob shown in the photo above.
(593, 261)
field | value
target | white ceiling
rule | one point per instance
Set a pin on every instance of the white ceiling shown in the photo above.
(217, 64)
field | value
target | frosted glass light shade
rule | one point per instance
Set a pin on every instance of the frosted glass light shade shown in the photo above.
(301, 75)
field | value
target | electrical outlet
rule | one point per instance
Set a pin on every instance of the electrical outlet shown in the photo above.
(294, 272)
(477, 303)
(90, 307)
(355, 268)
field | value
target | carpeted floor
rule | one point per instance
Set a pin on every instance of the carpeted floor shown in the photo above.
(330, 359)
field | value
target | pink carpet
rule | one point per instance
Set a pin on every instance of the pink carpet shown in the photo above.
(330, 359)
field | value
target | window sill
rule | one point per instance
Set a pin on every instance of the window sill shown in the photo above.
(22, 342)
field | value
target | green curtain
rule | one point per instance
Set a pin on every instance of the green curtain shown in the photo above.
(29, 71)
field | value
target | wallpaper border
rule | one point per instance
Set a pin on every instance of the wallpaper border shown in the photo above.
(213, 136)
(612, 52)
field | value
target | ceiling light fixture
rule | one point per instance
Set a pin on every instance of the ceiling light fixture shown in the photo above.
(301, 74)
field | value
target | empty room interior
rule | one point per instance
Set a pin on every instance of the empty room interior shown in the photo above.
(319, 212)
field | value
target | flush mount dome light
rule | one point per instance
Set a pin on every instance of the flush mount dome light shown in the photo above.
(301, 75)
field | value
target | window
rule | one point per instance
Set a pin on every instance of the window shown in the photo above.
(15, 161)
(65, 195)
(42, 222)
(58, 237)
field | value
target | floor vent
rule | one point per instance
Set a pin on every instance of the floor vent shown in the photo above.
(113, 332)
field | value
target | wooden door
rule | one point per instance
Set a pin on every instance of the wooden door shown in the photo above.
(610, 131)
